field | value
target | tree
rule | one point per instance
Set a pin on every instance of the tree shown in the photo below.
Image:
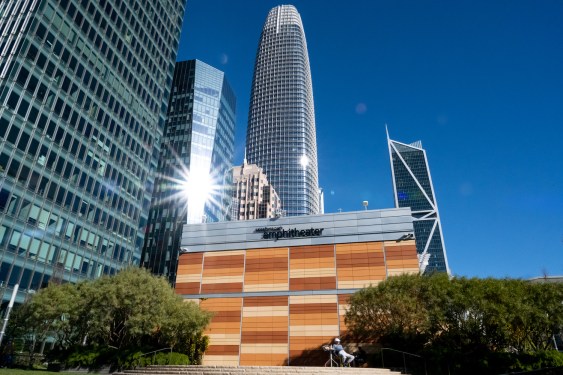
(459, 319)
(392, 313)
(129, 311)
(45, 315)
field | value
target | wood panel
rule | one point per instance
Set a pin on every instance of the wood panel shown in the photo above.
(281, 330)
(264, 339)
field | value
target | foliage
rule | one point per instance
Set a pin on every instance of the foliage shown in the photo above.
(487, 324)
(95, 357)
(541, 359)
(165, 359)
(105, 320)
(10, 371)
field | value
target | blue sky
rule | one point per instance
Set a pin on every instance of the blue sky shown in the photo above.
(480, 83)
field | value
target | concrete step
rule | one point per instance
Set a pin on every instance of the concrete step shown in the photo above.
(255, 370)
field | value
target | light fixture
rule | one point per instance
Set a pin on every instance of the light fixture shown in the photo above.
(405, 237)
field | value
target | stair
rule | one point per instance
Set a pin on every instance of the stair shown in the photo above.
(255, 370)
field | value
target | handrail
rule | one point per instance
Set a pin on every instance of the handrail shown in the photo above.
(156, 351)
(404, 361)
(138, 359)
(400, 351)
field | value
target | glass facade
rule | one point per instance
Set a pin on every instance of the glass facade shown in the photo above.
(194, 170)
(413, 188)
(83, 95)
(281, 135)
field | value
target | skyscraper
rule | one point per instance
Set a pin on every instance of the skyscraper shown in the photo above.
(253, 196)
(194, 170)
(413, 188)
(281, 135)
(83, 92)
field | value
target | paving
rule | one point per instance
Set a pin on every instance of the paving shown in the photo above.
(254, 370)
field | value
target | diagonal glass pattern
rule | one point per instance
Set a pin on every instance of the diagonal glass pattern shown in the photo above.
(408, 161)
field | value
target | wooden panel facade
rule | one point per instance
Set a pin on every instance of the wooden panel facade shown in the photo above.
(286, 329)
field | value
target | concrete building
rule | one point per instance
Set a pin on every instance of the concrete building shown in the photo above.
(279, 288)
(193, 174)
(83, 94)
(281, 133)
(253, 196)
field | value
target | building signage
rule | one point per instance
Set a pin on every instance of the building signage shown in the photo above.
(275, 233)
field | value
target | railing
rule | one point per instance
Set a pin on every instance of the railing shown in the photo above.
(153, 354)
(404, 354)
(543, 371)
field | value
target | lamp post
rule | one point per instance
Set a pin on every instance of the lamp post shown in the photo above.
(8, 311)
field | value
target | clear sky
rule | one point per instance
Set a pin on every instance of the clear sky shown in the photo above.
(480, 83)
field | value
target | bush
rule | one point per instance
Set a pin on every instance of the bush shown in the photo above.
(170, 358)
(137, 359)
(121, 316)
(539, 359)
(94, 358)
(90, 357)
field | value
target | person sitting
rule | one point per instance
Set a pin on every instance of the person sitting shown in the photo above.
(345, 358)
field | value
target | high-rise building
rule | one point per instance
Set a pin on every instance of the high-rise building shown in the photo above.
(194, 170)
(281, 135)
(253, 196)
(413, 188)
(83, 93)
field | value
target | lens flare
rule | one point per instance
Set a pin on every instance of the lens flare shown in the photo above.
(304, 161)
(191, 188)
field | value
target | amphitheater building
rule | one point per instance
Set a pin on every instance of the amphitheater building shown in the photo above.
(279, 288)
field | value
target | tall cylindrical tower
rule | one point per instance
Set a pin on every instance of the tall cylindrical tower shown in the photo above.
(281, 135)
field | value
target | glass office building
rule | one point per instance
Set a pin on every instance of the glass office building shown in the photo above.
(281, 135)
(83, 93)
(193, 182)
(413, 188)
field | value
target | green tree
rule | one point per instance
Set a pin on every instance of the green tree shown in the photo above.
(46, 315)
(481, 322)
(130, 311)
(392, 313)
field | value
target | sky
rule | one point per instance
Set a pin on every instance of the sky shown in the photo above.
(479, 82)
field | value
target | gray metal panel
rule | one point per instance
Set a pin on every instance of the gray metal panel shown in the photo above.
(370, 221)
(374, 238)
(343, 216)
(345, 230)
(395, 212)
(400, 227)
(394, 219)
(373, 225)
(323, 240)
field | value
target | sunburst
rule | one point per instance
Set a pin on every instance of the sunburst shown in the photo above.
(191, 187)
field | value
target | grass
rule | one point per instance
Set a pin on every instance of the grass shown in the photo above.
(11, 371)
